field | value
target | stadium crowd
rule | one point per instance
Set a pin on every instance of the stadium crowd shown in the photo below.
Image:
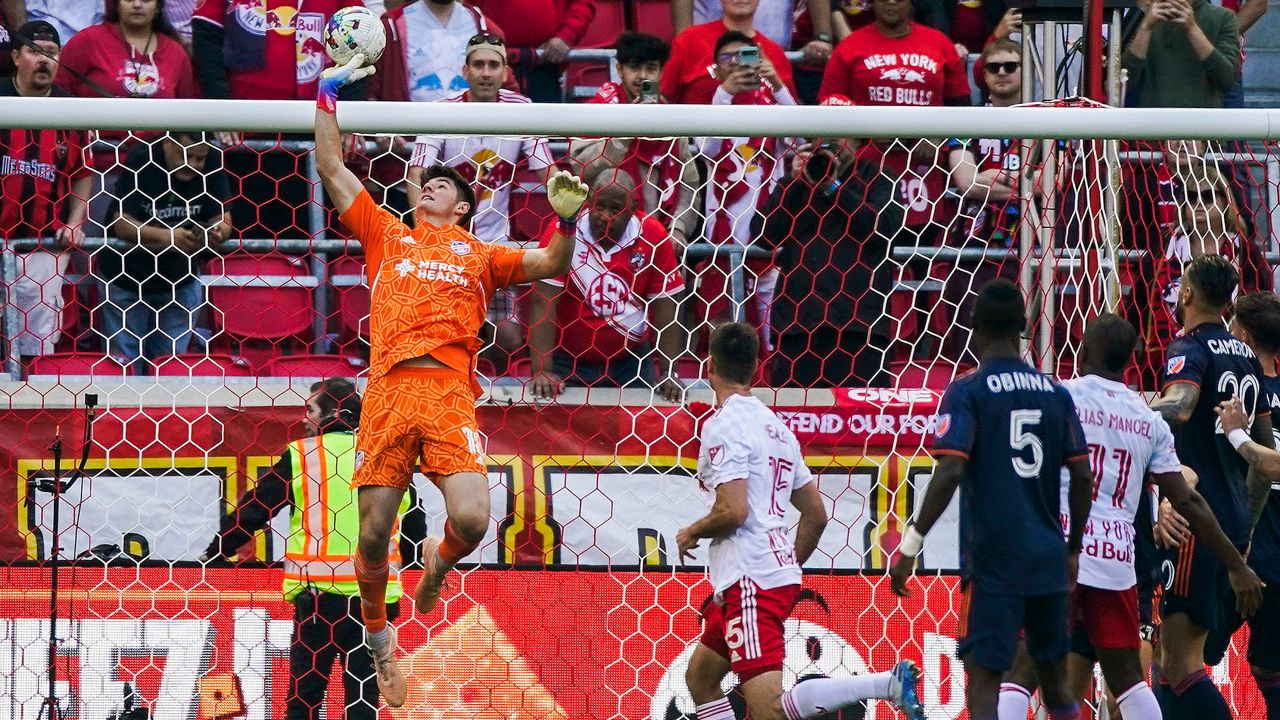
(828, 228)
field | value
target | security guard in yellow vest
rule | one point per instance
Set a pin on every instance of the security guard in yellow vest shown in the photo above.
(313, 479)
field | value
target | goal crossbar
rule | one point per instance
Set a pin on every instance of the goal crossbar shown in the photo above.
(294, 116)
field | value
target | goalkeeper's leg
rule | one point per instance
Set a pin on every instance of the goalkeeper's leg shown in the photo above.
(466, 503)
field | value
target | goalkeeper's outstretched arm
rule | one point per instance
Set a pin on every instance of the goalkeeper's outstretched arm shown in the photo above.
(341, 184)
(567, 194)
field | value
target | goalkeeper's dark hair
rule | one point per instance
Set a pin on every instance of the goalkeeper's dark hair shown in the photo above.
(466, 193)
(735, 347)
(337, 396)
(1259, 313)
(637, 48)
(1214, 279)
(1000, 311)
(1109, 342)
(733, 36)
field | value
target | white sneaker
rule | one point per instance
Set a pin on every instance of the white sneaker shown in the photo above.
(904, 691)
(390, 680)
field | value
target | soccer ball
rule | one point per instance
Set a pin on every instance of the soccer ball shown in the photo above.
(354, 30)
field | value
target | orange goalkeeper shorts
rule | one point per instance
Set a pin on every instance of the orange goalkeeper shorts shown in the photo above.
(417, 417)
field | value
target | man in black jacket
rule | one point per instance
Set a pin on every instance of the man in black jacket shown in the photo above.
(829, 313)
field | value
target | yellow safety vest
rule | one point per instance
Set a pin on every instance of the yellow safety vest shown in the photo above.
(324, 525)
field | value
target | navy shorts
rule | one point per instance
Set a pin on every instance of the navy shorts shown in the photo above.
(1194, 583)
(1264, 630)
(991, 625)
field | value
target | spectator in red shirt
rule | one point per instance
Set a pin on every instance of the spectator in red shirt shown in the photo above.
(896, 61)
(540, 34)
(265, 50)
(133, 53)
(44, 191)
(689, 76)
(665, 168)
(594, 325)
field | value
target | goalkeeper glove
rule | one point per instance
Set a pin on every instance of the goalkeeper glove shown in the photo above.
(567, 194)
(335, 78)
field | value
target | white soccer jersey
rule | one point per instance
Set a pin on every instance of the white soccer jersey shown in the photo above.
(745, 440)
(1127, 440)
(489, 163)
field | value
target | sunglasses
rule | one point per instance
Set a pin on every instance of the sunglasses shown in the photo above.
(1008, 68)
(486, 39)
(1203, 196)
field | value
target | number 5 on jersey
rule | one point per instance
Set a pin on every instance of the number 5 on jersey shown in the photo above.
(1022, 426)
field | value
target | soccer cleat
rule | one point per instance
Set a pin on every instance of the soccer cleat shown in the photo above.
(391, 683)
(428, 592)
(904, 689)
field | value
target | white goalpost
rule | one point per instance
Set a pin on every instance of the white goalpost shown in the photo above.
(576, 604)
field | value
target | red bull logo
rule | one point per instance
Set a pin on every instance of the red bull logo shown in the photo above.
(309, 41)
(249, 14)
(141, 79)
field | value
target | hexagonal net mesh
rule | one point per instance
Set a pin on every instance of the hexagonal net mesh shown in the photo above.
(216, 283)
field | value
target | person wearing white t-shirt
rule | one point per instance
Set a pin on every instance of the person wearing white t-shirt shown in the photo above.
(489, 162)
(1128, 442)
(750, 469)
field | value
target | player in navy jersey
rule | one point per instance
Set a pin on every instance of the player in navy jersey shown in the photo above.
(1257, 323)
(1204, 367)
(1004, 432)
(1128, 443)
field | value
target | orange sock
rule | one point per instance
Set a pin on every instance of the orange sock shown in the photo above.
(373, 593)
(454, 547)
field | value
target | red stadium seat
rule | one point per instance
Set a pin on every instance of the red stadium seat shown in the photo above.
(79, 300)
(77, 363)
(485, 367)
(610, 22)
(582, 79)
(202, 365)
(319, 366)
(351, 290)
(689, 368)
(530, 211)
(654, 17)
(261, 303)
(520, 368)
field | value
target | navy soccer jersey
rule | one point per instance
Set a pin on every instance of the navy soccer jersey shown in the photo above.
(1017, 428)
(1264, 553)
(1222, 366)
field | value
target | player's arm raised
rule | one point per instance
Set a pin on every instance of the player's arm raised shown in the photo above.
(567, 195)
(341, 184)
(942, 487)
(813, 520)
(1257, 445)
(1177, 402)
(727, 514)
(1191, 505)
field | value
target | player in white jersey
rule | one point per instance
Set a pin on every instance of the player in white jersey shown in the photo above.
(489, 163)
(1128, 442)
(750, 468)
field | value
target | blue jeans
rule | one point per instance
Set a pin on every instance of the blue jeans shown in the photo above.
(150, 325)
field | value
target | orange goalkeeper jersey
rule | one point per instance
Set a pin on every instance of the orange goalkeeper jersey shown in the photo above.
(430, 287)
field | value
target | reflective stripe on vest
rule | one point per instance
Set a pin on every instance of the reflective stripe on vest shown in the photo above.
(324, 525)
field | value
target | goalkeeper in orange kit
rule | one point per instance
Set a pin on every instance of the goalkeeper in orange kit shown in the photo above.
(430, 287)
